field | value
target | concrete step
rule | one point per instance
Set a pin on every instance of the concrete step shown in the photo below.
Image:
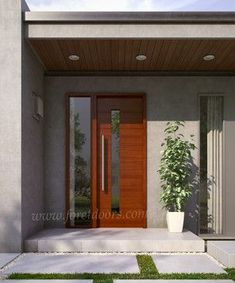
(223, 251)
(113, 240)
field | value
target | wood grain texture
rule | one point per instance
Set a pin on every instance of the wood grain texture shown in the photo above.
(132, 180)
(119, 55)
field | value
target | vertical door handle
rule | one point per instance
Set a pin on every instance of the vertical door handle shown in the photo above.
(102, 163)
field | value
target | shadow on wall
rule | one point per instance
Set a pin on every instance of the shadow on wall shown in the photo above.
(192, 208)
(182, 105)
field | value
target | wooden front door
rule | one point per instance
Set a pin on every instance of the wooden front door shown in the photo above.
(121, 158)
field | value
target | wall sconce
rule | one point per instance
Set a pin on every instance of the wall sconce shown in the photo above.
(38, 107)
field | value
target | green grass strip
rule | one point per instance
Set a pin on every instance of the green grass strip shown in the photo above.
(108, 278)
(147, 268)
(146, 265)
(231, 273)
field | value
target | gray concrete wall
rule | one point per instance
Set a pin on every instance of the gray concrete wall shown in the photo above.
(168, 98)
(21, 143)
(32, 144)
(10, 125)
(229, 162)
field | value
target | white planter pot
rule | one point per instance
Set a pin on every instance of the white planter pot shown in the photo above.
(175, 221)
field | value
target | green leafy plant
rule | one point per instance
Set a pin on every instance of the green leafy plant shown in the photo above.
(176, 167)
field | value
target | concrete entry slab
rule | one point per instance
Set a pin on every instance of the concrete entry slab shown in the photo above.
(186, 264)
(223, 251)
(172, 281)
(74, 263)
(5, 258)
(114, 240)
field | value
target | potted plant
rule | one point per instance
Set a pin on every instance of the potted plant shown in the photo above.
(175, 170)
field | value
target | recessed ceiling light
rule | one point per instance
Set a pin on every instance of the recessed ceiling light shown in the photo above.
(141, 57)
(209, 57)
(74, 57)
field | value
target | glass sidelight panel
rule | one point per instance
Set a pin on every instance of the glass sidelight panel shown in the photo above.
(203, 166)
(80, 159)
(115, 155)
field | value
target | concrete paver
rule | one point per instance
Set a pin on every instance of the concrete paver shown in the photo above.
(5, 258)
(186, 264)
(74, 263)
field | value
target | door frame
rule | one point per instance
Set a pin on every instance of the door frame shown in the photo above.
(93, 148)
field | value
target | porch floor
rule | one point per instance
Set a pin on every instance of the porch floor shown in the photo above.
(114, 240)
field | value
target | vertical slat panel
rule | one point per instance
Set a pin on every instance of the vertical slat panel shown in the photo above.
(214, 161)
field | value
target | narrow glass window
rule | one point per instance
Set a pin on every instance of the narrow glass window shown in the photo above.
(80, 175)
(211, 158)
(115, 155)
(203, 166)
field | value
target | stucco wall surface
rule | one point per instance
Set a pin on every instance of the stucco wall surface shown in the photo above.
(21, 143)
(32, 145)
(168, 98)
(10, 125)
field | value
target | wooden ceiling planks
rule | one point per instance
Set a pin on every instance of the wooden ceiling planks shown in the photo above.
(119, 55)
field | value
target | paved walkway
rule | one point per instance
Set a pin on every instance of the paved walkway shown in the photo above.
(5, 258)
(46, 281)
(186, 264)
(119, 281)
(103, 263)
(223, 251)
(172, 281)
(73, 263)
